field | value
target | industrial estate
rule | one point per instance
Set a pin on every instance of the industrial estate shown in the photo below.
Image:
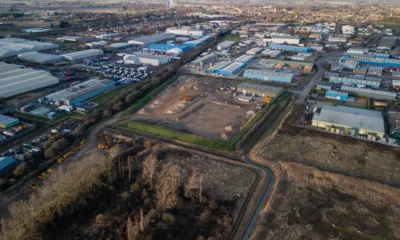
(245, 119)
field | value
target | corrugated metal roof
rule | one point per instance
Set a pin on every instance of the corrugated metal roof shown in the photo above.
(366, 90)
(269, 73)
(259, 87)
(4, 120)
(233, 67)
(352, 118)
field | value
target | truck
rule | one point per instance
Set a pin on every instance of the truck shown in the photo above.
(69, 74)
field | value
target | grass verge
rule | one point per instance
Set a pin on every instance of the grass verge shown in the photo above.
(232, 37)
(198, 140)
(42, 120)
(105, 98)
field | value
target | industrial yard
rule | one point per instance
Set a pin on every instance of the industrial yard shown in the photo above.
(199, 106)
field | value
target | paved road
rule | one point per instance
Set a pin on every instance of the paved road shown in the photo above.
(302, 95)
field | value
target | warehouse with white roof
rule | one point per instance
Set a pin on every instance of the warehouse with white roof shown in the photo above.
(14, 80)
(269, 75)
(14, 46)
(146, 40)
(74, 56)
(348, 119)
(40, 58)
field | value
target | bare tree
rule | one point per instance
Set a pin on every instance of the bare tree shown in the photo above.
(201, 178)
(132, 231)
(130, 161)
(150, 165)
(167, 186)
(195, 182)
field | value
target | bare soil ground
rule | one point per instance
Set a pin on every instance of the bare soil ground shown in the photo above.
(311, 204)
(207, 112)
(352, 158)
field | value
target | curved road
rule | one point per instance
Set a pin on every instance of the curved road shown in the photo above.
(263, 200)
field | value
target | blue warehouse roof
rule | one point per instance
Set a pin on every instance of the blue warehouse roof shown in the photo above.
(7, 163)
(5, 120)
(289, 48)
(165, 47)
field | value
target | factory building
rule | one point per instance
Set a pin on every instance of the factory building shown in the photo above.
(269, 75)
(40, 58)
(186, 31)
(259, 90)
(354, 81)
(203, 60)
(76, 95)
(107, 36)
(342, 96)
(370, 60)
(14, 46)
(225, 45)
(272, 53)
(348, 30)
(356, 51)
(282, 39)
(146, 40)
(75, 56)
(6, 165)
(121, 45)
(333, 39)
(232, 69)
(166, 47)
(198, 42)
(288, 48)
(350, 121)
(254, 51)
(70, 38)
(365, 92)
(244, 59)
(14, 80)
(6, 121)
(218, 66)
(146, 59)
(387, 42)
(96, 44)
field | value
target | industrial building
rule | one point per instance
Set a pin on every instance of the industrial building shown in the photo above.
(288, 48)
(254, 51)
(146, 59)
(244, 59)
(269, 75)
(375, 94)
(186, 31)
(76, 95)
(218, 66)
(70, 38)
(354, 82)
(75, 56)
(121, 45)
(259, 90)
(6, 121)
(203, 60)
(350, 121)
(387, 42)
(348, 30)
(146, 40)
(198, 42)
(107, 36)
(6, 165)
(279, 64)
(14, 80)
(342, 96)
(96, 44)
(370, 60)
(232, 69)
(165, 47)
(272, 53)
(14, 46)
(40, 58)
(225, 45)
(333, 39)
(282, 39)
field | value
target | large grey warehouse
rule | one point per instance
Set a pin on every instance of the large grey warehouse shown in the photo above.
(15, 46)
(74, 56)
(14, 80)
(40, 58)
(259, 89)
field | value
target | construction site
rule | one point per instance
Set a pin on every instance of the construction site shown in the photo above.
(208, 107)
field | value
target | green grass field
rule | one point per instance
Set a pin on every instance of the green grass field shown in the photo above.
(105, 98)
(201, 141)
(232, 37)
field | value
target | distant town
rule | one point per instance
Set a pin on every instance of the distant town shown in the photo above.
(246, 119)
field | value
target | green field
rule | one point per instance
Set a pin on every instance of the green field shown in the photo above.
(201, 141)
(232, 37)
(105, 98)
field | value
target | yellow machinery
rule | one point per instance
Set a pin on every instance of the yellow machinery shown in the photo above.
(267, 100)
(34, 186)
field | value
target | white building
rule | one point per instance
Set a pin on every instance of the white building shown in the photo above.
(282, 39)
(186, 31)
(14, 80)
(337, 39)
(146, 40)
(74, 56)
(225, 45)
(146, 59)
(348, 30)
(40, 58)
(15, 46)
(96, 44)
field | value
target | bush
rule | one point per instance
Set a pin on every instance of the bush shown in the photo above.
(169, 218)
(205, 216)
(56, 147)
(107, 113)
(21, 169)
(100, 219)
(118, 106)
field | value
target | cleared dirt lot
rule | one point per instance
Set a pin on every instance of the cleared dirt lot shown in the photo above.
(337, 154)
(312, 204)
(196, 105)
